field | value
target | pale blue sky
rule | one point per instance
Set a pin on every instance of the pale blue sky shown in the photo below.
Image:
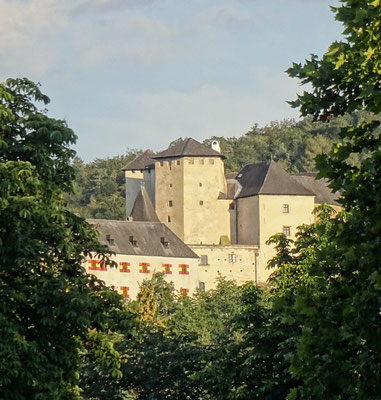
(141, 73)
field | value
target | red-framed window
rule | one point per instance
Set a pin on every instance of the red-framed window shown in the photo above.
(184, 292)
(124, 291)
(167, 268)
(93, 265)
(183, 269)
(144, 268)
(97, 265)
(124, 267)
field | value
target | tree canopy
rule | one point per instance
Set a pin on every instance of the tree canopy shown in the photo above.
(47, 301)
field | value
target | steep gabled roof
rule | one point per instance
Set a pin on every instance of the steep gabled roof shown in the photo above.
(141, 238)
(143, 209)
(143, 161)
(188, 148)
(320, 187)
(268, 178)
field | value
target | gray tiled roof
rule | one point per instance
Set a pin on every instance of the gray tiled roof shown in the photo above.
(269, 178)
(147, 235)
(188, 148)
(143, 161)
(319, 186)
(143, 209)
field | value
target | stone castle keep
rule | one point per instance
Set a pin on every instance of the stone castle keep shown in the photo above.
(215, 224)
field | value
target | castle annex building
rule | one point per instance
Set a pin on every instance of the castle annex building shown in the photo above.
(143, 248)
(225, 220)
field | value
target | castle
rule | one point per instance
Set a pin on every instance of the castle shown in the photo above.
(190, 221)
(224, 219)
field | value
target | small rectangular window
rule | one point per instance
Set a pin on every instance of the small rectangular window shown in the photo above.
(167, 268)
(170, 185)
(286, 208)
(93, 264)
(133, 241)
(191, 161)
(200, 184)
(124, 267)
(232, 258)
(201, 286)
(178, 162)
(164, 242)
(170, 203)
(169, 219)
(203, 260)
(201, 203)
(184, 292)
(144, 268)
(201, 161)
(287, 230)
(211, 161)
(183, 269)
(124, 291)
(102, 266)
(161, 163)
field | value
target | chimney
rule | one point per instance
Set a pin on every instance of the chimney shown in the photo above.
(216, 146)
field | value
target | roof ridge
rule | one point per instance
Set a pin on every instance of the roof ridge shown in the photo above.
(267, 174)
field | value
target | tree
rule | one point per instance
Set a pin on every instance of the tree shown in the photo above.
(47, 301)
(338, 352)
(99, 187)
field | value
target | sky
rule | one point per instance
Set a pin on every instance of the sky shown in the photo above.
(138, 74)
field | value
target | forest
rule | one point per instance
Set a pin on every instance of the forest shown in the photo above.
(313, 332)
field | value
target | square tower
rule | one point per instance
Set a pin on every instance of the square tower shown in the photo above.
(190, 191)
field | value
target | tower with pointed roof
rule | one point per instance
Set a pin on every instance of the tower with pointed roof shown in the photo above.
(190, 192)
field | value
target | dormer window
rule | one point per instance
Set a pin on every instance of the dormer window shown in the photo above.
(133, 241)
(110, 240)
(164, 242)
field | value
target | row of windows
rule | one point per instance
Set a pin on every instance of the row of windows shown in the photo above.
(285, 207)
(170, 203)
(199, 184)
(125, 291)
(232, 258)
(144, 268)
(191, 161)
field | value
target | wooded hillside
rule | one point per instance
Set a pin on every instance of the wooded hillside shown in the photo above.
(99, 188)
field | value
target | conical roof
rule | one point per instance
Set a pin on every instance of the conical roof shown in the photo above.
(188, 148)
(269, 178)
(143, 209)
(141, 162)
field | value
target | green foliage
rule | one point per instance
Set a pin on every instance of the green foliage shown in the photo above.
(47, 301)
(99, 188)
(294, 145)
(340, 316)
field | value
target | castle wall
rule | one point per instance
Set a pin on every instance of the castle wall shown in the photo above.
(134, 182)
(206, 217)
(273, 220)
(149, 183)
(132, 280)
(247, 213)
(236, 263)
(169, 194)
